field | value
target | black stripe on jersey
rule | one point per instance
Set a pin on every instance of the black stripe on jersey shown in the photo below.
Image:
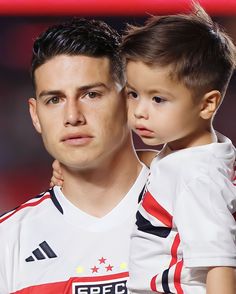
(55, 201)
(140, 197)
(38, 196)
(30, 258)
(8, 211)
(47, 249)
(38, 254)
(164, 281)
(145, 226)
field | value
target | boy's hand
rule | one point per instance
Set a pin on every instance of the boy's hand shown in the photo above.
(56, 179)
(221, 280)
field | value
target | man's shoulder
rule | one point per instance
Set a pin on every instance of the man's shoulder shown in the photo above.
(24, 210)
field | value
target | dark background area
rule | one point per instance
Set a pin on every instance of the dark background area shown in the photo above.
(25, 167)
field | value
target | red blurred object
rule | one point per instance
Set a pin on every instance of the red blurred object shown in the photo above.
(112, 8)
(18, 186)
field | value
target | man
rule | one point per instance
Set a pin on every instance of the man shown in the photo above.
(76, 239)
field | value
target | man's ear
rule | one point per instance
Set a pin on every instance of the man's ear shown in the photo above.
(210, 103)
(33, 113)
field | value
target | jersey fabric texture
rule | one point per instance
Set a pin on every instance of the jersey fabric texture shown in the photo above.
(186, 220)
(50, 246)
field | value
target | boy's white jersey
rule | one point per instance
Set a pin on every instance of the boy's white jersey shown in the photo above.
(48, 245)
(186, 221)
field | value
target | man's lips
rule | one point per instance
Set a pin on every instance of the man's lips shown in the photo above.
(76, 139)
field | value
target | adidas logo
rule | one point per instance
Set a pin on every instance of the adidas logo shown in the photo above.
(45, 251)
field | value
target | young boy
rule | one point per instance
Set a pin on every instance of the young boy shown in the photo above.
(178, 69)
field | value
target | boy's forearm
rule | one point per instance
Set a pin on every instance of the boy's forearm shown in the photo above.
(221, 280)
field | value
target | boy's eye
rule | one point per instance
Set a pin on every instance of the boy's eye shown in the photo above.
(132, 94)
(158, 99)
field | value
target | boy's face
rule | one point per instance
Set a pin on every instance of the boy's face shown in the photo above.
(79, 110)
(160, 110)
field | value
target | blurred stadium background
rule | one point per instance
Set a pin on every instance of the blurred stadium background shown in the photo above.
(25, 167)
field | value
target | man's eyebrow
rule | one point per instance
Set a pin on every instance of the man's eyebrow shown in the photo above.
(50, 93)
(79, 89)
(91, 86)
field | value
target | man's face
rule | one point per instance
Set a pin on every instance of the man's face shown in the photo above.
(79, 110)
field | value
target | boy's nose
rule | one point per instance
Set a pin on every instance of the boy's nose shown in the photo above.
(141, 110)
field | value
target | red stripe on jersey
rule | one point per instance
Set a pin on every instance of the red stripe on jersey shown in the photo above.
(153, 284)
(174, 249)
(27, 204)
(156, 210)
(177, 276)
(65, 287)
(101, 278)
(59, 287)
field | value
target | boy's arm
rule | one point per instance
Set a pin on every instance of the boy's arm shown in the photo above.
(146, 156)
(221, 280)
(200, 221)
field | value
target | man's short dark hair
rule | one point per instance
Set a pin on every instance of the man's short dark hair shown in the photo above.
(200, 54)
(93, 38)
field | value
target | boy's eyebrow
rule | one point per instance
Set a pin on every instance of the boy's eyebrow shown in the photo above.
(152, 91)
(129, 86)
(79, 89)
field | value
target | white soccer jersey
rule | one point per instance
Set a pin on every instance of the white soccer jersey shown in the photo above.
(186, 221)
(50, 246)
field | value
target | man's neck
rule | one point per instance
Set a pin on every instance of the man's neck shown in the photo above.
(98, 190)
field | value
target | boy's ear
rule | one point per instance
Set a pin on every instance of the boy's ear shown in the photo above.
(210, 103)
(33, 113)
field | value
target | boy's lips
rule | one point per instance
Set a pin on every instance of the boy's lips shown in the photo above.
(144, 132)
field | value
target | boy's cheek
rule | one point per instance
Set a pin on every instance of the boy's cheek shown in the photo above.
(131, 123)
(130, 116)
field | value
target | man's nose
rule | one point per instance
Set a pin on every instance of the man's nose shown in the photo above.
(73, 114)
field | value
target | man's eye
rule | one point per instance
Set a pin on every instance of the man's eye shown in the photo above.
(53, 100)
(158, 99)
(92, 95)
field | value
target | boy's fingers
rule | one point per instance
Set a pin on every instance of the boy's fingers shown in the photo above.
(57, 176)
(55, 182)
(57, 179)
(56, 166)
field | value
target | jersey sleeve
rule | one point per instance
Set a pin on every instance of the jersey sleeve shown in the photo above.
(204, 219)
